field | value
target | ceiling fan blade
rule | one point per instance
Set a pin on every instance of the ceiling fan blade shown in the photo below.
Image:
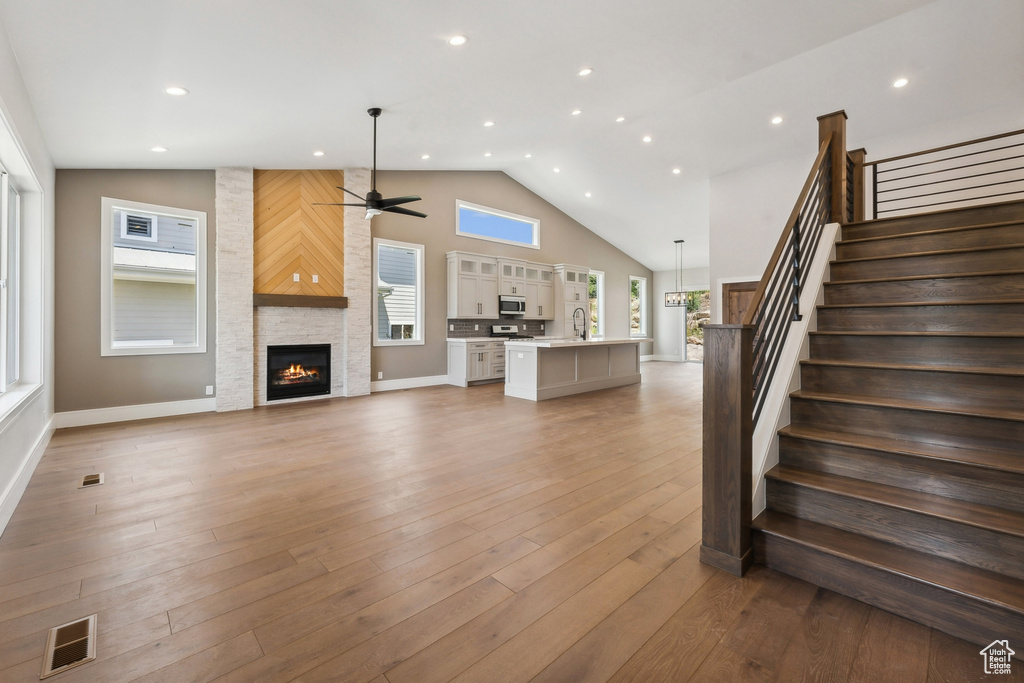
(395, 201)
(362, 199)
(363, 204)
(404, 212)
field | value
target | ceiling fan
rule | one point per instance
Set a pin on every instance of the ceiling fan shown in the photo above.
(374, 203)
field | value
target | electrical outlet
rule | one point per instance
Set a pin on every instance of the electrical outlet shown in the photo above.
(476, 328)
(316, 278)
(380, 375)
(295, 277)
(542, 327)
(451, 328)
(209, 390)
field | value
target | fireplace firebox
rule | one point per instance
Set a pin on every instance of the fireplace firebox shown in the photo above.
(298, 370)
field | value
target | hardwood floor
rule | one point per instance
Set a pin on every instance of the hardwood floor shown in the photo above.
(425, 535)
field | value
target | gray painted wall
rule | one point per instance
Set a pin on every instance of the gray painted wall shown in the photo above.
(562, 240)
(83, 379)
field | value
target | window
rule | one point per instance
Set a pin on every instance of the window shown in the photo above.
(398, 315)
(10, 250)
(481, 222)
(637, 306)
(153, 293)
(596, 295)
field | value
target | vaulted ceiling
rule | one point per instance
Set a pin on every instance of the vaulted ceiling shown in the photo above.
(271, 82)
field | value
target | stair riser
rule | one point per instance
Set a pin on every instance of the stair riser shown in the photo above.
(912, 244)
(992, 213)
(937, 264)
(932, 290)
(970, 545)
(990, 352)
(961, 481)
(944, 610)
(963, 431)
(938, 389)
(977, 318)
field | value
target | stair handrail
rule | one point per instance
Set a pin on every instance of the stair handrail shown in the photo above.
(740, 359)
(1009, 180)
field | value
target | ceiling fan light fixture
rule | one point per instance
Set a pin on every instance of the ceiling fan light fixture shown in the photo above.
(371, 212)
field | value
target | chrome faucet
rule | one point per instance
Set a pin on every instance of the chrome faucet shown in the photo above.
(579, 332)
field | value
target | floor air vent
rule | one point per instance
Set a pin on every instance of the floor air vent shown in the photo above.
(69, 645)
(91, 480)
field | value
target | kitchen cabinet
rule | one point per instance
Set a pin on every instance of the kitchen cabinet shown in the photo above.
(475, 361)
(472, 286)
(540, 292)
(512, 278)
(572, 291)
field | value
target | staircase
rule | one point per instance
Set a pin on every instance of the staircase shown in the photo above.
(901, 476)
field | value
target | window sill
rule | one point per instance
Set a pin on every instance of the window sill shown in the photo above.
(14, 400)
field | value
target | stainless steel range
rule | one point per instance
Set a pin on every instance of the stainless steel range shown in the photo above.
(508, 332)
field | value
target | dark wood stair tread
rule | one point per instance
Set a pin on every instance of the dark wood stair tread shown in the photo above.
(907, 404)
(925, 216)
(1000, 591)
(912, 278)
(909, 304)
(924, 254)
(951, 509)
(932, 231)
(910, 333)
(988, 458)
(954, 369)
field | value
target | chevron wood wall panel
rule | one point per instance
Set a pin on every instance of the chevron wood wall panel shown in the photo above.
(293, 236)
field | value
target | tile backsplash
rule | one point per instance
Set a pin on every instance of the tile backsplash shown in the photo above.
(464, 328)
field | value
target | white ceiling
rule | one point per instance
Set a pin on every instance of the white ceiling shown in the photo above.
(273, 81)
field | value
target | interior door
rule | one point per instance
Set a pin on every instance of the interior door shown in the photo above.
(736, 297)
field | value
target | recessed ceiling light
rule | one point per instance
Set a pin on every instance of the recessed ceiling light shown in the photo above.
(528, 155)
(776, 120)
(456, 41)
(899, 82)
(586, 194)
(318, 153)
(557, 170)
(487, 154)
(677, 171)
(620, 119)
(488, 124)
(577, 112)
(158, 149)
(425, 156)
(176, 90)
(585, 72)
(647, 138)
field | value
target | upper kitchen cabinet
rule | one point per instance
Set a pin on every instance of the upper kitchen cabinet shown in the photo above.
(472, 286)
(512, 280)
(540, 292)
(572, 292)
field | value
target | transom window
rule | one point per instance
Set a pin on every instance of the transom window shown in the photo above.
(495, 225)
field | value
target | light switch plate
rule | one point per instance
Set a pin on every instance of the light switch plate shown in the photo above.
(316, 278)
(295, 277)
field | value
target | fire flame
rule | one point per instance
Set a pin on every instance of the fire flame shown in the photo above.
(297, 372)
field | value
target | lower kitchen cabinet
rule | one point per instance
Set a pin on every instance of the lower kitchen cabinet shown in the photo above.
(475, 361)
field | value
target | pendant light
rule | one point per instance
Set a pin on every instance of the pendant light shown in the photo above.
(676, 299)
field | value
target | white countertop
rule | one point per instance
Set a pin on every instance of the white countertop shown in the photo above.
(559, 342)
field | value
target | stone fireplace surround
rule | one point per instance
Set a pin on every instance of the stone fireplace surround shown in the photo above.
(245, 331)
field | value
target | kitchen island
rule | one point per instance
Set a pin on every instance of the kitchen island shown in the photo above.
(539, 369)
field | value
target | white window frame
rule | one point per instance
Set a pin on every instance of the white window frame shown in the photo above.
(108, 206)
(599, 274)
(643, 306)
(419, 339)
(535, 222)
(9, 281)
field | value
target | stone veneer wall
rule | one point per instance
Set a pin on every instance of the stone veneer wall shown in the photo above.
(280, 325)
(243, 335)
(359, 288)
(234, 288)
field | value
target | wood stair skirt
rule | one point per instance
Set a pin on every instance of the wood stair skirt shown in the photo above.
(901, 476)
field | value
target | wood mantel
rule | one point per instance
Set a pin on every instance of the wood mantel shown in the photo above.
(299, 301)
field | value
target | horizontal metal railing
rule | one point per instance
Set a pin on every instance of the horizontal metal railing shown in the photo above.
(982, 171)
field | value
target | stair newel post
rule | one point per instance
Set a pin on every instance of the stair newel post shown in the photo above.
(728, 439)
(834, 124)
(857, 157)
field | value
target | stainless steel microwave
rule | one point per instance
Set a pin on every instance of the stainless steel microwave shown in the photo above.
(511, 305)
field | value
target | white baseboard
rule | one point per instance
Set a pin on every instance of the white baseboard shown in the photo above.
(12, 494)
(98, 416)
(664, 357)
(407, 383)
